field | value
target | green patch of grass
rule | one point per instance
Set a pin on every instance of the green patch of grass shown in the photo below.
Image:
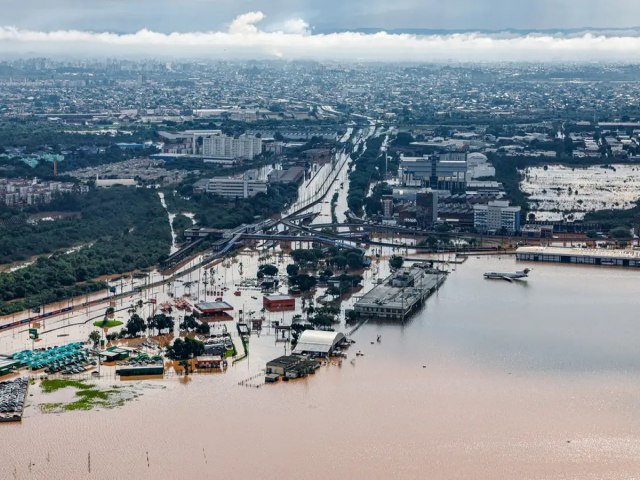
(49, 386)
(88, 396)
(50, 407)
(107, 324)
(92, 398)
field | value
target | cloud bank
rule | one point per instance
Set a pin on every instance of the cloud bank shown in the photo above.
(294, 40)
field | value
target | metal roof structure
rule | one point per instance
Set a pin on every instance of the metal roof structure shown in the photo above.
(212, 306)
(318, 341)
(582, 252)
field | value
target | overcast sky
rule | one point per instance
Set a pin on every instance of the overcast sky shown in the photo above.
(304, 28)
(203, 15)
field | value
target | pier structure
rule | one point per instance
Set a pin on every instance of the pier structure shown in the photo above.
(580, 256)
(400, 294)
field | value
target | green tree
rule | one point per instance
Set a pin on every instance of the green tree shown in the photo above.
(135, 325)
(268, 270)
(189, 323)
(95, 337)
(396, 261)
(620, 233)
(185, 349)
(354, 260)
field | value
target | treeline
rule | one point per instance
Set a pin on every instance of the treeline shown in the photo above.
(33, 135)
(610, 219)
(216, 212)
(180, 224)
(364, 173)
(507, 173)
(100, 213)
(129, 230)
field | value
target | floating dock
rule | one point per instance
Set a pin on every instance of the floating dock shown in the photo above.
(401, 294)
(580, 256)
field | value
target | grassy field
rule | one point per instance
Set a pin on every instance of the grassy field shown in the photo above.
(107, 324)
(88, 396)
(49, 386)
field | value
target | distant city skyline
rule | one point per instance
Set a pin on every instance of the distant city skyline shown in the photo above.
(302, 29)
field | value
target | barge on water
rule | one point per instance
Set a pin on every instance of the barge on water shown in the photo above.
(400, 294)
(580, 256)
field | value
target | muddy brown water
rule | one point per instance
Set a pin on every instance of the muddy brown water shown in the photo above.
(535, 380)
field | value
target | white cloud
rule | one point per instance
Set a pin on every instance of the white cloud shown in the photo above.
(296, 25)
(294, 40)
(246, 23)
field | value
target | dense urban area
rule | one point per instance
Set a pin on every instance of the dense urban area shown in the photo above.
(165, 218)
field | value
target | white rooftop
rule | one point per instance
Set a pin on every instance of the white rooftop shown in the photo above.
(317, 341)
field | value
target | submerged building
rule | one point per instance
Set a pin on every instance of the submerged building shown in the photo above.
(318, 343)
(580, 256)
(400, 294)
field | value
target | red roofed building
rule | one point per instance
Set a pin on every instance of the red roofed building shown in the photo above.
(279, 303)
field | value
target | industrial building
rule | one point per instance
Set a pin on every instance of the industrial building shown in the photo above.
(290, 366)
(213, 311)
(495, 216)
(580, 256)
(318, 342)
(442, 172)
(400, 294)
(279, 303)
(236, 187)
(290, 175)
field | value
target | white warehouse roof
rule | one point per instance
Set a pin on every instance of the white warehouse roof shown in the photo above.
(317, 341)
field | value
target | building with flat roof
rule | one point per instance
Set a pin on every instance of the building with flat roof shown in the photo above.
(580, 256)
(279, 303)
(290, 366)
(8, 365)
(290, 175)
(209, 362)
(400, 294)
(496, 216)
(213, 311)
(441, 171)
(226, 147)
(112, 182)
(236, 187)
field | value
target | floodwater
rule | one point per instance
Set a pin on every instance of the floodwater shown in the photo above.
(490, 380)
(558, 192)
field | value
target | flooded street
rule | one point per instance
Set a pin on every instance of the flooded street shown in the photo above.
(490, 380)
